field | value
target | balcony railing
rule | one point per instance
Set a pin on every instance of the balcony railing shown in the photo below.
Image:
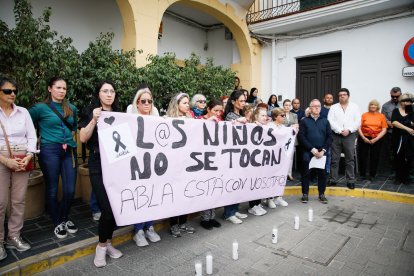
(263, 10)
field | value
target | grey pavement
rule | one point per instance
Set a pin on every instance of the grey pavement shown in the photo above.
(349, 236)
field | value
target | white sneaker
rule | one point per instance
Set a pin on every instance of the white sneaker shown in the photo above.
(100, 256)
(240, 215)
(271, 204)
(255, 211)
(280, 201)
(234, 220)
(112, 251)
(152, 235)
(261, 209)
(140, 239)
(96, 216)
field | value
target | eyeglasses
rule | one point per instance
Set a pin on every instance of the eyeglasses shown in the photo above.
(315, 106)
(342, 94)
(107, 91)
(395, 97)
(202, 101)
(9, 91)
(144, 101)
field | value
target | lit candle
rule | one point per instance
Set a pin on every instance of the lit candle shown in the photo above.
(274, 235)
(235, 250)
(296, 222)
(209, 264)
(198, 268)
(310, 214)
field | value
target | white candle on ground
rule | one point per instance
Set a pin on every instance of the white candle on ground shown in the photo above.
(296, 222)
(235, 250)
(198, 268)
(209, 264)
(274, 235)
(310, 214)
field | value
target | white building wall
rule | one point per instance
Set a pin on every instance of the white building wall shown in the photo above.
(372, 60)
(81, 20)
(183, 39)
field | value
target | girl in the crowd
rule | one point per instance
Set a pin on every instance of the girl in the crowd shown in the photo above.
(371, 131)
(56, 120)
(252, 96)
(278, 122)
(143, 104)
(248, 112)
(234, 113)
(290, 120)
(245, 93)
(258, 117)
(271, 103)
(179, 107)
(18, 134)
(198, 105)
(105, 100)
(402, 119)
(213, 112)
(224, 100)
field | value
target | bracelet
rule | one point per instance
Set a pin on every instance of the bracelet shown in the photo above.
(30, 154)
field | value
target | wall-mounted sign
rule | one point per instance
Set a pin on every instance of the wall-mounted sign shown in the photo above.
(408, 71)
(409, 51)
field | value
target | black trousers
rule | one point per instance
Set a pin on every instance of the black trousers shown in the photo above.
(254, 203)
(107, 222)
(368, 151)
(178, 220)
(306, 174)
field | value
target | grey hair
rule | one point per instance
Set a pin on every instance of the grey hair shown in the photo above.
(195, 98)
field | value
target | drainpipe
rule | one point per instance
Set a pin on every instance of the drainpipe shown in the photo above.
(273, 66)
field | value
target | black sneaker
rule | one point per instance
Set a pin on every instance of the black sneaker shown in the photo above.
(60, 231)
(350, 186)
(323, 199)
(215, 223)
(70, 227)
(305, 198)
(206, 224)
(330, 183)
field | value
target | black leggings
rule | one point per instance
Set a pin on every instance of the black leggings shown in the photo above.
(178, 220)
(107, 222)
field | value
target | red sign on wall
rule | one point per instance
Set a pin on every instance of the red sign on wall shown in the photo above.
(409, 51)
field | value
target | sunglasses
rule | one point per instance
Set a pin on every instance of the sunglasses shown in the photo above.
(202, 101)
(9, 91)
(282, 115)
(146, 101)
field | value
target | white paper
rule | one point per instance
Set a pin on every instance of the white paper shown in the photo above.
(318, 163)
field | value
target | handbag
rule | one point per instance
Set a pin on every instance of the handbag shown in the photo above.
(29, 166)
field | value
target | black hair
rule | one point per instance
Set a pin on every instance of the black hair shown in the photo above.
(235, 95)
(211, 104)
(4, 80)
(344, 90)
(97, 102)
(252, 98)
(269, 102)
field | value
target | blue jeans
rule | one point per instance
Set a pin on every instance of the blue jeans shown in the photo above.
(230, 210)
(94, 203)
(142, 225)
(55, 162)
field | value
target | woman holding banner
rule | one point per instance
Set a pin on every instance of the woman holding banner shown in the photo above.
(213, 112)
(106, 100)
(143, 104)
(179, 107)
(234, 113)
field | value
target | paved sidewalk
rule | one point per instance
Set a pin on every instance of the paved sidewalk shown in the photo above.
(349, 236)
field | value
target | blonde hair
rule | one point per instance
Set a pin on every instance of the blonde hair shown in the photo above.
(376, 103)
(134, 109)
(255, 115)
(172, 110)
(246, 109)
(276, 112)
(405, 96)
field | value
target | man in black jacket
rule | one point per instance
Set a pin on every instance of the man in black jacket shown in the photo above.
(315, 135)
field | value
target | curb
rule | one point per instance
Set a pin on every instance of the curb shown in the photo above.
(64, 254)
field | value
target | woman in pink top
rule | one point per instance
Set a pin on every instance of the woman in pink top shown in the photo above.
(16, 123)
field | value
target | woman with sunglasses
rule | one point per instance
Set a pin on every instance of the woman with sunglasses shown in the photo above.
(105, 100)
(56, 121)
(179, 107)
(143, 105)
(198, 105)
(17, 125)
(402, 119)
